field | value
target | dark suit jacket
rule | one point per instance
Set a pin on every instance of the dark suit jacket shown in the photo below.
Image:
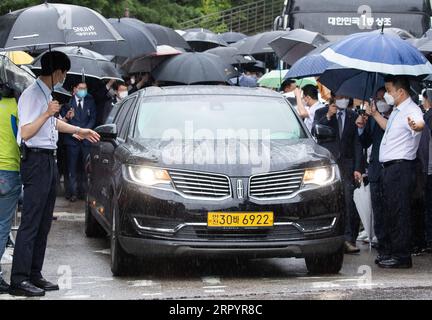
(84, 118)
(347, 150)
(423, 150)
(372, 136)
(104, 101)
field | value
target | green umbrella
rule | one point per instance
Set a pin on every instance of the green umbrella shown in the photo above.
(305, 81)
(274, 79)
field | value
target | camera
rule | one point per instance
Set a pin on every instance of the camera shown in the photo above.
(360, 111)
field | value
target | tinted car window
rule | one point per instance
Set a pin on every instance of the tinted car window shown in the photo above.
(125, 108)
(127, 121)
(158, 116)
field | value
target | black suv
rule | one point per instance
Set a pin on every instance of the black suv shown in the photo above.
(214, 171)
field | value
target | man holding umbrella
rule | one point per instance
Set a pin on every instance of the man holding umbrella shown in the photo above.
(398, 151)
(38, 133)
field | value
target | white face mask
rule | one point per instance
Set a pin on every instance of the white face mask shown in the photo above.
(342, 103)
(382, 106)
(123, 94)
(59, 84)
(389, 99)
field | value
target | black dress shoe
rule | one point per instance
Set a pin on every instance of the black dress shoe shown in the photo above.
(381, 257)
(45, 284)
(26, 289)
(396, 263)
(428, 248)
(350, 248)
(4, 287)
(73, 199)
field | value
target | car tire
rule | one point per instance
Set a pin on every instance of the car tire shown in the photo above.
(92, 228)
(122, 263)
(325, 264)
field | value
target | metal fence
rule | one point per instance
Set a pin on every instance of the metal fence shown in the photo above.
(250, 18)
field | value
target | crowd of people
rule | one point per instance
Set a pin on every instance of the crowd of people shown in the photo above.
(88, 108)
(387, 144)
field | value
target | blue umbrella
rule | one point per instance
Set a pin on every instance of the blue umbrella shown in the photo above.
(378, 52)
(309, 66)
(352, 83)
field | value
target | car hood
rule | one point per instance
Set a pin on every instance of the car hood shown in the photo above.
(242, 159)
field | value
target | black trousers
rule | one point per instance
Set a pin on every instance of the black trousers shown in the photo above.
(352, 218)
(76, 158)
(377, 207)
(398, 184)
(428, 209)
(39, 176)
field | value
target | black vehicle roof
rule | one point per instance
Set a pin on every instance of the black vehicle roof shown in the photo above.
(209, 90)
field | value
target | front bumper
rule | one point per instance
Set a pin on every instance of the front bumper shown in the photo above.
(161, 223)
(264, 249)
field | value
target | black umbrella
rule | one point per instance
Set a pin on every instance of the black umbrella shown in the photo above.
(296, 44)
(138, 40)
(424, 44)
(194, 68)
(232, 37)
(45, 25)
(259, 44)
(17, 78)
(84, 62)
(201, 39)
(232, 56)
(148, 62)
(167, 36)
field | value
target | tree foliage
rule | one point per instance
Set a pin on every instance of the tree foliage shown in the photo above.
(166, 12)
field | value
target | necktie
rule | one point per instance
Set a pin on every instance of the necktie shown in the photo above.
(79, 104)
(340, 124)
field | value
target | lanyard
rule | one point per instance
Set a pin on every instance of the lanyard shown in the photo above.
(52, 120)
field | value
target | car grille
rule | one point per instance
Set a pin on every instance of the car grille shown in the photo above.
(201, 185)
(202, 233)
(274, 185)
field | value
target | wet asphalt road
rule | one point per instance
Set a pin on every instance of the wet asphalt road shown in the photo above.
(82, 268)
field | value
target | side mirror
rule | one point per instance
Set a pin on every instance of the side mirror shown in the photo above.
(324, 133)
(107, 132)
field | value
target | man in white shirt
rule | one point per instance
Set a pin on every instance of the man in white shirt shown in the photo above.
(398, 151)
(308, 104)
(38, 132)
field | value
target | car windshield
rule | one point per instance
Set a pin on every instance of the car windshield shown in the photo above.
(218, 116)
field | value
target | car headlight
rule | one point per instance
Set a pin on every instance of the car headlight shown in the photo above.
(148, 176)
(319, 176)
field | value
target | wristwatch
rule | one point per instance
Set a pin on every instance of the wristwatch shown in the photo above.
(77, 129)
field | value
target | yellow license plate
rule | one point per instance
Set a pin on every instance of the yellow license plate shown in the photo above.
(240, 219)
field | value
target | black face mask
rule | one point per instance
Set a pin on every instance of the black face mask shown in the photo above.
(6, 92)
